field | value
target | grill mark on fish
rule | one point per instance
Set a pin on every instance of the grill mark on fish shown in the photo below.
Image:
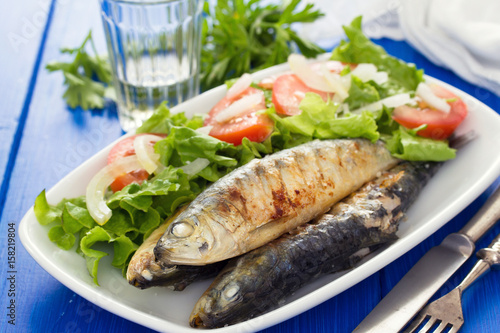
(283, 204)
(303, 191)
(312, 169)
(309, 189)
(318, 163)
(262, 279)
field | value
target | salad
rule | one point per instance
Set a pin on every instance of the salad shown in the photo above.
(360, 92)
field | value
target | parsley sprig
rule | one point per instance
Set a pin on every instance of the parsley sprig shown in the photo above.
(244, 36)
(87, 77)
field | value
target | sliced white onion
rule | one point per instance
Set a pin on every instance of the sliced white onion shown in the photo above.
(364, 72)
(239, 107)
(146, 153)
(196, 166)
(427, 95)
(97, 187)
(381, 77)
(333, 66)
(367, 72)
(397, 100)
(390, 102)
(311, 78)
(239, 86)
(205, 129)
(336, 83)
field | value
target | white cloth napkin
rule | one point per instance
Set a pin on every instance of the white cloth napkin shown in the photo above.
(461, 35)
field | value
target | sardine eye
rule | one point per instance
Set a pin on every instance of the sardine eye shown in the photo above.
(182, 229)
(230, 292)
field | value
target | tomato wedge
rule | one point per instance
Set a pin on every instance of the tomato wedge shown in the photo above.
(255, 127)
(288, 92)
(440, 125)
(122, 149)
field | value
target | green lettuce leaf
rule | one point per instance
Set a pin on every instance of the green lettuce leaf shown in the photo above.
(63, 239)
(139, 196)
(162, 121)
(184, 145)
(122, 245)
(45, 213)
(360, 49)
(74, 218)
(361, 93)
(405, 144)
(318, 121)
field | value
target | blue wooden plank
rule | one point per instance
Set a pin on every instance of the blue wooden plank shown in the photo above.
(22, 31)
(55, 140)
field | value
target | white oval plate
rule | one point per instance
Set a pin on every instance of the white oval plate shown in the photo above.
(455, 186)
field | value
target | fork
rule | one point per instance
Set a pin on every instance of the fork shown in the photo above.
(446, 312)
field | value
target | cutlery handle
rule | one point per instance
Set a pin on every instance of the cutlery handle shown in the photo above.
(484, 219)
(480, 268)
(490, 257)
(491, 254)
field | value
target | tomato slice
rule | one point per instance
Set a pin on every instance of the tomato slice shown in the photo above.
(255, 127)
(122, 149)
(288, 92)
(440, 125)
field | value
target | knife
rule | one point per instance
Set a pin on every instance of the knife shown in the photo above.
(415, 289)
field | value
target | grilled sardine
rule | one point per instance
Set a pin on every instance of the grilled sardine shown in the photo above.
(144, 271)
(262, 279)
(268, 197)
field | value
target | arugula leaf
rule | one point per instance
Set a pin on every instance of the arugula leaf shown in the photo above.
(86, 77)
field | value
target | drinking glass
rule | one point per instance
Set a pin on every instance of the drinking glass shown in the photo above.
(154, 48)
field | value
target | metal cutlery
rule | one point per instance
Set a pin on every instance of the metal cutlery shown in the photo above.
(446, 312)
(415, 289)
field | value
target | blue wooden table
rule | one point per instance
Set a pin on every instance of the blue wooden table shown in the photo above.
(41, 140)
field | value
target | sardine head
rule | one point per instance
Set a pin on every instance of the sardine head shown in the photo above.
(216, 307)
(194, 239)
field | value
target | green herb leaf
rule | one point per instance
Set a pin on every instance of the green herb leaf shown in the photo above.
(87, 77)
(245, 35)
